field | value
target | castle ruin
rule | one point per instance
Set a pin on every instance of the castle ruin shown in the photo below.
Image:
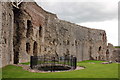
(31, 31)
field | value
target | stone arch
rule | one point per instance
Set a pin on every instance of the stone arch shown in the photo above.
(29, 28)
(28, 48)
(16, 57)
(100, 48)
(95, 58)
(107, 54)
(107, 51)
(99, 52)
(35, 49)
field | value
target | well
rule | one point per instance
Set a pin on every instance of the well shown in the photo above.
(53, 62)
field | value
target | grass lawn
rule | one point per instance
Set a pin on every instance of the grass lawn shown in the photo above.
(96, 70)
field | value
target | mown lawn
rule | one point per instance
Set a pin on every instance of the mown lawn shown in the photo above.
(96, 70)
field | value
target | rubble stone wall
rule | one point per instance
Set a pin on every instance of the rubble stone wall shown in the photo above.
(0, 34)
(31, 31)
(63, 37)
(54, 36)
(6, 33)
(116, 55)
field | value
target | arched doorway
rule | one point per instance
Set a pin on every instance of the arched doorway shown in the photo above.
(35, 49)
(16, 57)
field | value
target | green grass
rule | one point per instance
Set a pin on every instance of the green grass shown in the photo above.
(28, 63)
(117, 46)
(96, 70)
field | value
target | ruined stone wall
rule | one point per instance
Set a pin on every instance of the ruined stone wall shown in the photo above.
(116, 55)
(29, 31)
(62, 37)
(6, 33)
(36, 31)
(54, 36)
(112, 54)
(109, 52)
(98, 41)
(0, 34)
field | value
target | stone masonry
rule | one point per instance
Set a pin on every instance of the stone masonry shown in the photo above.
(6, 34)
(31, 31)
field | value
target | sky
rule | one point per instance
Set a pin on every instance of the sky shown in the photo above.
(90, 13)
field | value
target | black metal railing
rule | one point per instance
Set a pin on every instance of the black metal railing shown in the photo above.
(52, 63)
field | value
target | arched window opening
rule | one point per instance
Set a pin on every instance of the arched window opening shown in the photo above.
(100, 48)
(28, 48)
(107, 52)
(76, 42)
(35, 49)
(40, 31)
(29, 28)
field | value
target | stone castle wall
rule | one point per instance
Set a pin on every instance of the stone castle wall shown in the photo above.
(28, 28)
(116, 55)
(32, 31)
(6, 33)
(54, 36)
(63, 37)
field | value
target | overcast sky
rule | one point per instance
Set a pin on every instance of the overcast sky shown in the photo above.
(94, 14)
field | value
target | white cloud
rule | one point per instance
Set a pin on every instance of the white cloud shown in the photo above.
(78, 12)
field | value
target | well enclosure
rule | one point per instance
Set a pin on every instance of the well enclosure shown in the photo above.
(53, 62)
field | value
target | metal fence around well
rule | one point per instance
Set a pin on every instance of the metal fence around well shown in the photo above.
(53, 63)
